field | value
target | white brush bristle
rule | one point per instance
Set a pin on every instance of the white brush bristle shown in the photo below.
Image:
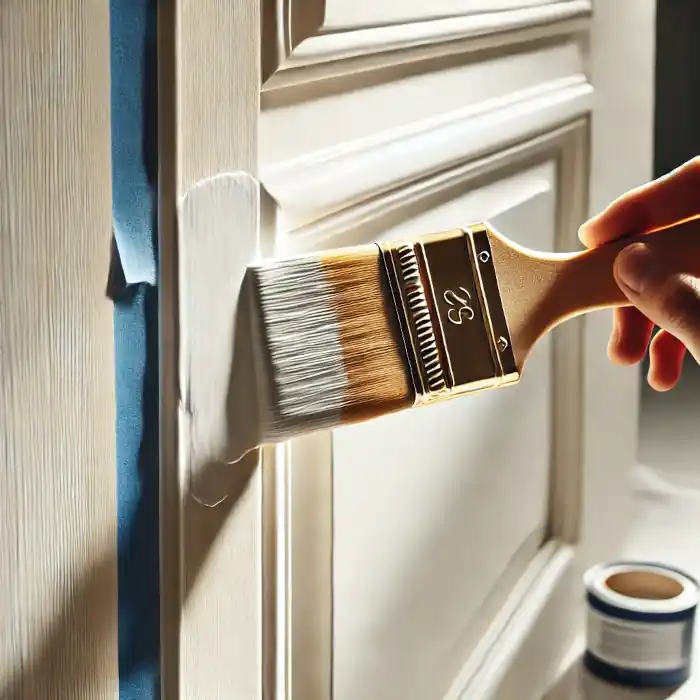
(328, 351)
(302, 343)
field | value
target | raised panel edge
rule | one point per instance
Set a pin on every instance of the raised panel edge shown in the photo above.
(499, 648)
(297, 50)
(328, 181)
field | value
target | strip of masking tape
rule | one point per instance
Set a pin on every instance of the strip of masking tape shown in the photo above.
(640, 620)
(218, 224)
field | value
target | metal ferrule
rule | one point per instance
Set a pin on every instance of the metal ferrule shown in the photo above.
(450, 313)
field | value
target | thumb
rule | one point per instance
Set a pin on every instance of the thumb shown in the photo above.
(665, 295)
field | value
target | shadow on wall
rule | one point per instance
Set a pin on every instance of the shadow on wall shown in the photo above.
(64, 664)
(60, 668)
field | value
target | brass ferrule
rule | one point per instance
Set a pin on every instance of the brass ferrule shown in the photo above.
(450, 313)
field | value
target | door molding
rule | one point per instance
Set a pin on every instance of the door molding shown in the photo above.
(300, 47)
(305, 570)
(322, 183)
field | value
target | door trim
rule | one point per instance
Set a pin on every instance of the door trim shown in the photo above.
(306, 571)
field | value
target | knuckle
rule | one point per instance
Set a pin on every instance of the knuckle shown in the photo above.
(681, 306)
(691, 171)
(633, 210)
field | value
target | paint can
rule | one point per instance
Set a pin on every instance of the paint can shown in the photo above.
(640, 618)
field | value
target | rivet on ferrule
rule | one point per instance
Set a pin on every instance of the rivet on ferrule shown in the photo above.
(450, 313)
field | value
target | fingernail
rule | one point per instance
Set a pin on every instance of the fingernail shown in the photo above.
(634, 266)
(584, 232)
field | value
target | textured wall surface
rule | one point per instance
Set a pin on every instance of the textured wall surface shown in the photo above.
(58, 583)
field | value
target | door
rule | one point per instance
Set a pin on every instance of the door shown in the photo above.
(435, 554)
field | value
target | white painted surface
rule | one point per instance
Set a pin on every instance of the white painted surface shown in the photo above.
(450, 88)
(341, 14)
(218, 237)
(58, 519)
(433, 507)
(337, 166)
(328, 180)
(620, 159)
(663, 522)
(306, 48)
(211, 558)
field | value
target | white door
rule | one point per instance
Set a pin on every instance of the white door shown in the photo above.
(435, 554)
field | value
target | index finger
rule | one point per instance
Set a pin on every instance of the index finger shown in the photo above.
(670, 199)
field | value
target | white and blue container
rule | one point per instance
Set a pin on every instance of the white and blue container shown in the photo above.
(640, 624)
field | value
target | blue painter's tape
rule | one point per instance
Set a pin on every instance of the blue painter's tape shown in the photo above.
(134, 138)
(132, 286)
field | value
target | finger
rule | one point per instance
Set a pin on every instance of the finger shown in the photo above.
(630, 337)
(666, 355)
(669, 298)
(663, 202)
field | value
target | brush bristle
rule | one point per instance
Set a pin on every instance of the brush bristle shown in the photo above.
(331, 348)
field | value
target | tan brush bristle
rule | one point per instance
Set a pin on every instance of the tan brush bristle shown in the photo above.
(378, 379)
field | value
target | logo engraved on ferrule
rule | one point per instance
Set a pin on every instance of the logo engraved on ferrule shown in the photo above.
(458, 314)
(449, 313)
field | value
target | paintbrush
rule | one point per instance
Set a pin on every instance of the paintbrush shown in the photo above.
(348, 335)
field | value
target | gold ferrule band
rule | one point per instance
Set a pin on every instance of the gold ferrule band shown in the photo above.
(452, 321)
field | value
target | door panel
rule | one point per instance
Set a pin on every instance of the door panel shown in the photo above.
(434, 506)
(409, 491)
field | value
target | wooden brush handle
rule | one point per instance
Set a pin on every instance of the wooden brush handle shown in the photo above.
(586, 279)
(539, 291)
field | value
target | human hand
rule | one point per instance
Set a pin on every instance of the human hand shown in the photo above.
(660, 293)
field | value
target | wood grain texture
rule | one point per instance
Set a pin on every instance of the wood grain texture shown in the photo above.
(310, 528)
(218, 91)
(211, 561)
(58, 579)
